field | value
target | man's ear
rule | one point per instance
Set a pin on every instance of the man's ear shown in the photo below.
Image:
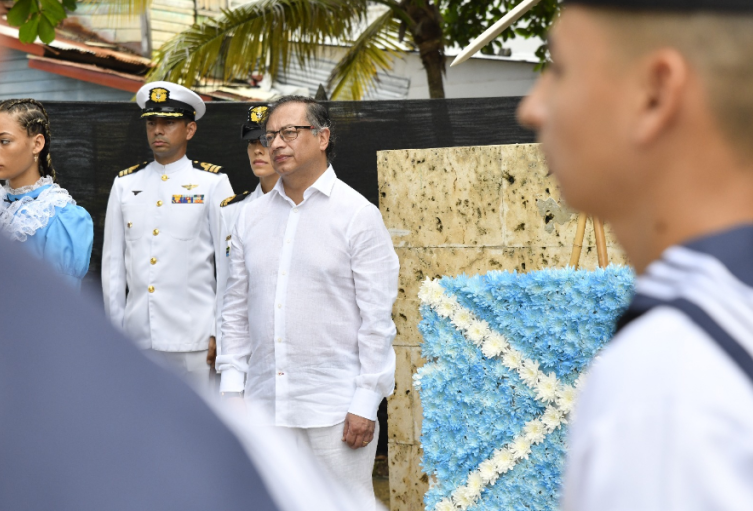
(324, 134)
(191, 128)
(664, 79)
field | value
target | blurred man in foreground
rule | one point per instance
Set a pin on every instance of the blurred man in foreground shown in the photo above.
(646, 118)
(88, 423)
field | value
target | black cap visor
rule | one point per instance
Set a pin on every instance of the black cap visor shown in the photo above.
(169, 108)
(251, 131)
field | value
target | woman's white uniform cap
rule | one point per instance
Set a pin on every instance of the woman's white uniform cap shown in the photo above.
(167, 99)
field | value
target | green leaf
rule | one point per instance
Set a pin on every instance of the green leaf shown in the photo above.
(54, 11)
(46, 30)
(70, 4)
(28, 31)
(373, 51)
(19, 13)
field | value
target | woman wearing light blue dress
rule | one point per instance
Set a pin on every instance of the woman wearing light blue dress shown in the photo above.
(34, 210)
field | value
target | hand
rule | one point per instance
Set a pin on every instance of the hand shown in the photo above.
(212, 351)
(357, 431)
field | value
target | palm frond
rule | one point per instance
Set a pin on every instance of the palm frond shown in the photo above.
(372, 52)
(263, 36)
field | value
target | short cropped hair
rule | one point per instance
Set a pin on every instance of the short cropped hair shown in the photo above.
(718, 46)
(316, 114)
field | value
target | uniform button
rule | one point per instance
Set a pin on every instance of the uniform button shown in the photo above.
(288, 242)
(279, 339)
(164, 177)
(153, 260)
(129, 224)
(159, 203)
(295, 210)
(279, 306)
(284, 273)
(155, 232)
(150, 289)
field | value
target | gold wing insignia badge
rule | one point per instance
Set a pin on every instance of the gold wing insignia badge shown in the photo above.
(159, 95)
(258, 114)
(190, 187)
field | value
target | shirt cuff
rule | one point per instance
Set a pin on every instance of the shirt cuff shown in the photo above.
(232, 380)
(365, 403)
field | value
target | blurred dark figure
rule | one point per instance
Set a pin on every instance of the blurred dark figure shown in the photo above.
(89, 423)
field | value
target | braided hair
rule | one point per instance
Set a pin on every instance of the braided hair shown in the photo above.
(32, 117)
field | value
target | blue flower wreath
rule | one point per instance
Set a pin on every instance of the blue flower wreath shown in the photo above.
(473, 405)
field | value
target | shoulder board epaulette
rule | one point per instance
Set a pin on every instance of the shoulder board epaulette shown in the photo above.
(233, 199)
(131, 170)
(208, 167)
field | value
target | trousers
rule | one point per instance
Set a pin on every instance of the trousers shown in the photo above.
(191, 365)
(352, 469)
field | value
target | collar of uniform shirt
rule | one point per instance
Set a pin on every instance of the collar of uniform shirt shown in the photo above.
(172, 167)
(324, 184)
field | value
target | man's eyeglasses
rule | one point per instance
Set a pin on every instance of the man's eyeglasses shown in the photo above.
(287, 133)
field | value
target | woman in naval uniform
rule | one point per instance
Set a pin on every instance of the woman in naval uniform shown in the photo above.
(33, 208)
(261, 166)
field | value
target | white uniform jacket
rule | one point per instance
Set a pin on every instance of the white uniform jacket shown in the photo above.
(229, 212)
(162, 236)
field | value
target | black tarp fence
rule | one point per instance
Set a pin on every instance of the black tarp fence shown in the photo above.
(92, 142)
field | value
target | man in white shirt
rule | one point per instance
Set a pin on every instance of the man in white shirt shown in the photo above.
(307, 321)
(162, 237)
(645, 118)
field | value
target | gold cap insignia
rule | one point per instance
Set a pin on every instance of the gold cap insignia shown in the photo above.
(257, 114)
(159, 95)
(189, 187)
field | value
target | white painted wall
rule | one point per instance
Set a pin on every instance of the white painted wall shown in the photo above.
(478, 77)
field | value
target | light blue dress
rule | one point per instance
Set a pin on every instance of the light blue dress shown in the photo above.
(65, 242)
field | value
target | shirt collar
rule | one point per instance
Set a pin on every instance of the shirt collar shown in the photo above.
(173, 167)
(324, 184)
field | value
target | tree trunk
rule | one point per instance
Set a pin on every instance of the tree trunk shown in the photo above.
(426, 30)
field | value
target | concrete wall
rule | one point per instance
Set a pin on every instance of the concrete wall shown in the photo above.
(462, 210)
(17, 80)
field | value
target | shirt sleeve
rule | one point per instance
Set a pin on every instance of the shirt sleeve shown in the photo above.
(68, 243)
(113, 259)
(375, 268)
(221, 191)
(236, 343)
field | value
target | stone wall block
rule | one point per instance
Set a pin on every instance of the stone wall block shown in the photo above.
(408, 483)
(400, 404)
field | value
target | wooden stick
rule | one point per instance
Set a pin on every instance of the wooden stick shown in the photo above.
(493, 31)
(578, 242)
(601, 243)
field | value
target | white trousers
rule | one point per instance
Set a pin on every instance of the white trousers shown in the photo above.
(351, 468)
(191, 365)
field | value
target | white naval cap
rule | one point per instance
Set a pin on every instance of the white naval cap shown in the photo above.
(167, 99)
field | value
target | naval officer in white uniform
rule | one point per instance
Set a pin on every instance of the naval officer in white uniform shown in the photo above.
(261, 166)
(162, 237)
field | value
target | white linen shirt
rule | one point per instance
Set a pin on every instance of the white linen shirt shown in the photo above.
(161, 240)
(664, 423)
(228, 217)
(308, 309)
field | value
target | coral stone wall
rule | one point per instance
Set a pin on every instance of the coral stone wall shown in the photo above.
(462, 210)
